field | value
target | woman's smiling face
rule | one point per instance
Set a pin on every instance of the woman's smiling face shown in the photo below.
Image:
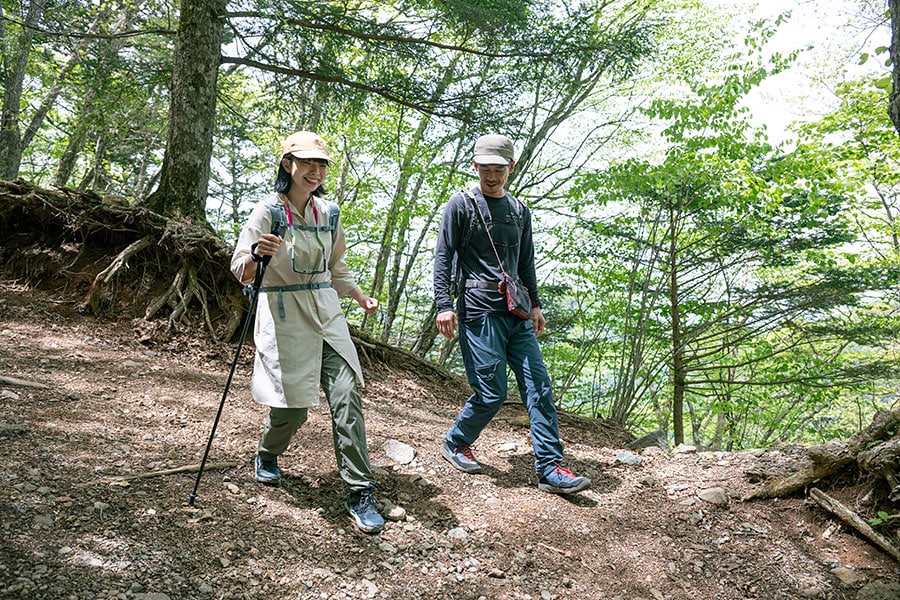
(307, 173)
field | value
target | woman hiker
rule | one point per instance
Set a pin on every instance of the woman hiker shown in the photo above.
(301, 335)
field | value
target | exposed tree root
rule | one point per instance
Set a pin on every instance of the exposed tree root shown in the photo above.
(104, 276)
(827, 459)
(129, 262)
(875, 450)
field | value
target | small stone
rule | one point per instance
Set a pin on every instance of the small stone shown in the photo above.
(848, 577)
(395, 513)
(628, 458)
(458, 534)
(715, 496)
(399, 452)
(43, 521)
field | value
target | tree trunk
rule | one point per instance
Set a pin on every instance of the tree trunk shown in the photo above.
(427, 333)
(88, 107)
(76, 141)
(396, 282)
(894, 109)
(192, 110)
(678, 368)
(11, 147)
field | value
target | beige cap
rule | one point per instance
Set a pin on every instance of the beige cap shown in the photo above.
(305, 144)
(494, 149)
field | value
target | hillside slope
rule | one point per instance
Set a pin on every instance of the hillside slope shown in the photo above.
(113, 407)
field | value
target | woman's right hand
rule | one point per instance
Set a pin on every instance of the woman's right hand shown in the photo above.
(268, 244)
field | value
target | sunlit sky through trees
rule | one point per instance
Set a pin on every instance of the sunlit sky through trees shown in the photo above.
(839, 33)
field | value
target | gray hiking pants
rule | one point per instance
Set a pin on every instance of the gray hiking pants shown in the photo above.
(348, 426)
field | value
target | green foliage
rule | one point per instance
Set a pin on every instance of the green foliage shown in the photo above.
(742, 252)
(881, 518)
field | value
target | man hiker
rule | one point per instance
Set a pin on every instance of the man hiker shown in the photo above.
(485, 249)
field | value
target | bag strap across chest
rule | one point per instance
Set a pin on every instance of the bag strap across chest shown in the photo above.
(279, 217)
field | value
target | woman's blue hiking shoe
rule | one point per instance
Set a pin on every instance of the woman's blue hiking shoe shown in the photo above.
(267, 470)
(361, 506)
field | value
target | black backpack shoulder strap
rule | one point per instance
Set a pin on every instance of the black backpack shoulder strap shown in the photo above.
(472, 211)
(519, 208)
(334, 213)
(468, 227)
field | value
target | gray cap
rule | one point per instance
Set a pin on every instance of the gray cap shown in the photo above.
(493, 149)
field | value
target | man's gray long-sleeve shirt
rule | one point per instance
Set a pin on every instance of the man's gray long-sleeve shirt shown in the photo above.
(510, 226)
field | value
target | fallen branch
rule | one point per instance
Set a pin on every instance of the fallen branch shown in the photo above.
(551, 548)
(148, 474)
(794, 482)
(23, 383)
(851, 518)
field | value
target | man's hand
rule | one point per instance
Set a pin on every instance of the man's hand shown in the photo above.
(537, 319)
(446, 324)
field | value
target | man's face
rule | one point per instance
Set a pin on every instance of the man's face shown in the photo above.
(493, 178)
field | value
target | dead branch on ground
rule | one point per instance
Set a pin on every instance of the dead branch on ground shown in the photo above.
(119, 479)
(833, 506)
(23, 383)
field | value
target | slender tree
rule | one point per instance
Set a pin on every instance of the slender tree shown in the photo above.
(894, 106)
(17, 34)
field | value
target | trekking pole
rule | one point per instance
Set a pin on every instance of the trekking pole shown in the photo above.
(252, 291)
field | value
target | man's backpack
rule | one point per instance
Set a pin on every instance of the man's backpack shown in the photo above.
(456, 283)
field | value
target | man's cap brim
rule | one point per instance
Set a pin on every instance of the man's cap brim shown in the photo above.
(491, 159)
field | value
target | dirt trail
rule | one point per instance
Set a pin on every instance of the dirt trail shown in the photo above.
(113, 407)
